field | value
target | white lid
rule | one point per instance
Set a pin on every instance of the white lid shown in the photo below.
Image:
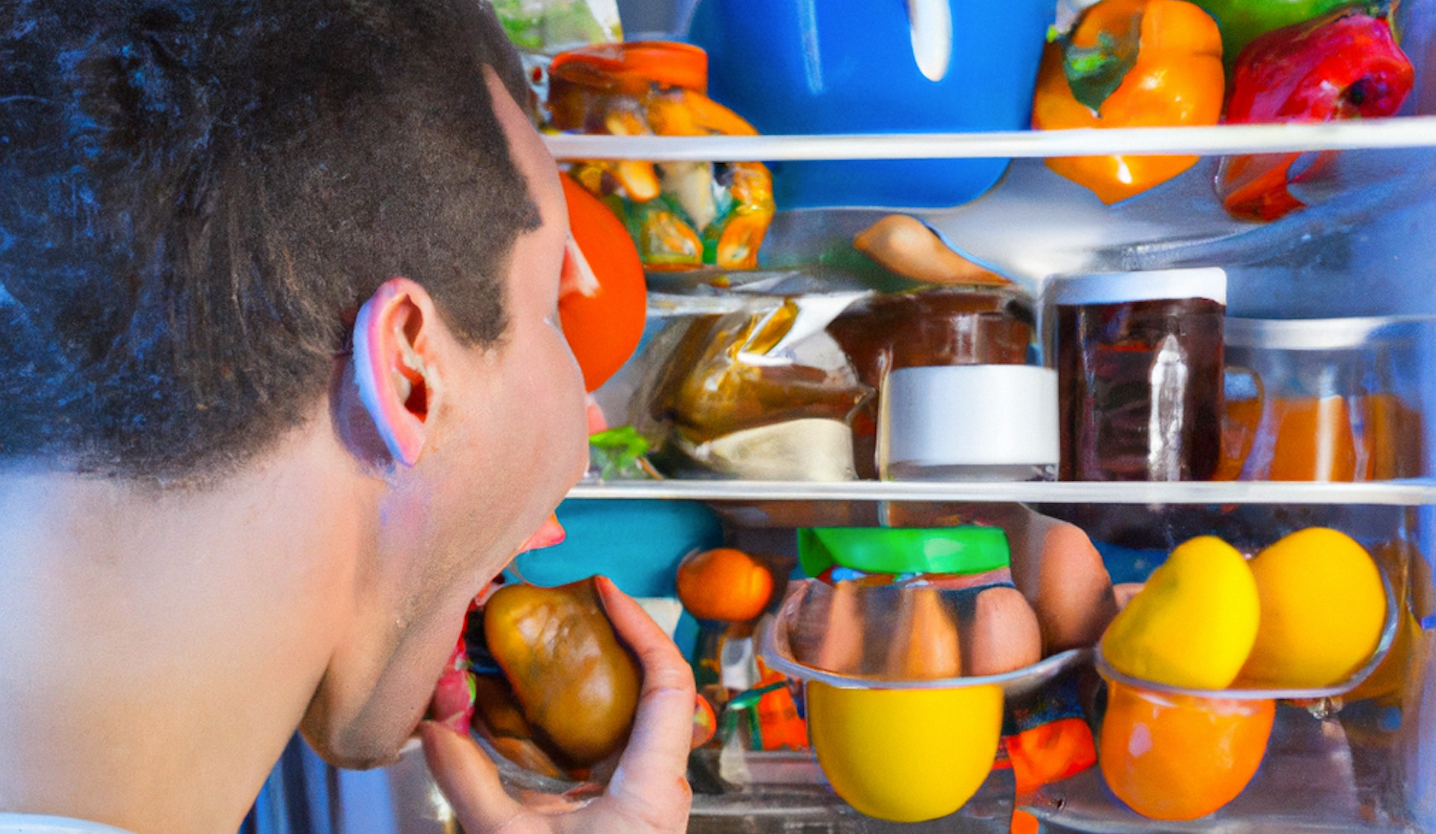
(1308, 334)
(1119, 287)
(969, 415)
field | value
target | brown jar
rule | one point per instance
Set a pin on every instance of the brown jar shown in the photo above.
(1139, 363)
(927, 328)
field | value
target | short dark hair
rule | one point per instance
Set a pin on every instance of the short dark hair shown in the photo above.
(193, 193)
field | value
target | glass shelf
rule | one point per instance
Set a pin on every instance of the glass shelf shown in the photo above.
(1353, 251)
(1400, 132)
(1387, 493)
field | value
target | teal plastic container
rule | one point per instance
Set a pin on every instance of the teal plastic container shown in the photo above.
(637, 544)
(857, 66)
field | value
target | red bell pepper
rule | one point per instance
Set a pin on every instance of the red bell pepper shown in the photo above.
(1340, 66)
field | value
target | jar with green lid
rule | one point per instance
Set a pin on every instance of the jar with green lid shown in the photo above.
(908, 636)
(914, 603)
(906, 551)
(681, 214)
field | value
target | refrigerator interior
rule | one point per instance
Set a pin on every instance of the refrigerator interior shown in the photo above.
(1364, 249)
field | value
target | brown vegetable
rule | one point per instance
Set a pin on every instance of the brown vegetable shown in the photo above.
(905, 246)
(577, 685)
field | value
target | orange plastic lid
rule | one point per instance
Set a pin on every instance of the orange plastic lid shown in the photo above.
(633, 65)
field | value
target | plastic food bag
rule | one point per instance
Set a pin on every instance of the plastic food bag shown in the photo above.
(762, 393)
(552, 25)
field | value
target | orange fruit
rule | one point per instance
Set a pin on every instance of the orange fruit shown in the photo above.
(724, 584)
(1179, 757)
(603, 298)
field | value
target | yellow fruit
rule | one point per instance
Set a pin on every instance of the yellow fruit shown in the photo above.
(1323, 606)
(1194, 622)
(905, 755)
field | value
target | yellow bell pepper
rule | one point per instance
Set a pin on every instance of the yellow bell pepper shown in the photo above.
(1130, 63)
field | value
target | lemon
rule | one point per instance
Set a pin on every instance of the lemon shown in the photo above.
(1193, 623)
(1323, 606)
(905, 755)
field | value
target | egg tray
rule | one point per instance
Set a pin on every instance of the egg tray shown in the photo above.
(775, 647)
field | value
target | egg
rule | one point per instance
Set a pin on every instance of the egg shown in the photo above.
(1004, 635)
(925, 641)
(828, 634)
(1073, 596)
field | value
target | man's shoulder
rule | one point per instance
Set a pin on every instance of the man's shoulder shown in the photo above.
(37, 824)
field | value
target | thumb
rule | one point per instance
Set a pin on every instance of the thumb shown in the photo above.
(469, 780)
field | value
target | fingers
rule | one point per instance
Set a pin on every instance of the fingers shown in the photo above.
(651, 782)
(469, 781)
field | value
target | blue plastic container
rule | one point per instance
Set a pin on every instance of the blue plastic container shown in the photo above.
(854, 66)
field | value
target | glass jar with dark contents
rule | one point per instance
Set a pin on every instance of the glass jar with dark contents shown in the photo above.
(1139, 359)
(928, 328)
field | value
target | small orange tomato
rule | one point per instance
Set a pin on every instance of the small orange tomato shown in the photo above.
(603, 300)
(724, 584)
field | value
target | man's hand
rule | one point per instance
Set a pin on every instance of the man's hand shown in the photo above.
(649, 791)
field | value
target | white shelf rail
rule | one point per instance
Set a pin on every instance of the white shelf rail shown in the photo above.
(1220, 140)
(1384, 493)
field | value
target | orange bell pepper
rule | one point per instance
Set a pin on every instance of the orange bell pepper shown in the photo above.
(1131, 63)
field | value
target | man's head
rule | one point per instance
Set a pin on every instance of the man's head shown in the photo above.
(198, 201)
(194, 194)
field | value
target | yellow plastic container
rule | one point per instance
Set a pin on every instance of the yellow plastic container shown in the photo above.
(907, 744)
(905, 755)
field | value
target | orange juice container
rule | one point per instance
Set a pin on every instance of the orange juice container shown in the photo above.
(1324, 400)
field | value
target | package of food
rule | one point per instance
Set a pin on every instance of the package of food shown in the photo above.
(552, 25)
(762, 392)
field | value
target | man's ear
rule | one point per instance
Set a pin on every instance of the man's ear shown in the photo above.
(394, 367)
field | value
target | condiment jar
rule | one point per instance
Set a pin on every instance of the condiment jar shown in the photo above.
(1139, 362)
(915, 603)
(894, 607)
(1325, 399)
(935, 328)
(681, 214)
(968, 422)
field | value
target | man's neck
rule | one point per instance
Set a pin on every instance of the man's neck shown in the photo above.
(161, 647)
